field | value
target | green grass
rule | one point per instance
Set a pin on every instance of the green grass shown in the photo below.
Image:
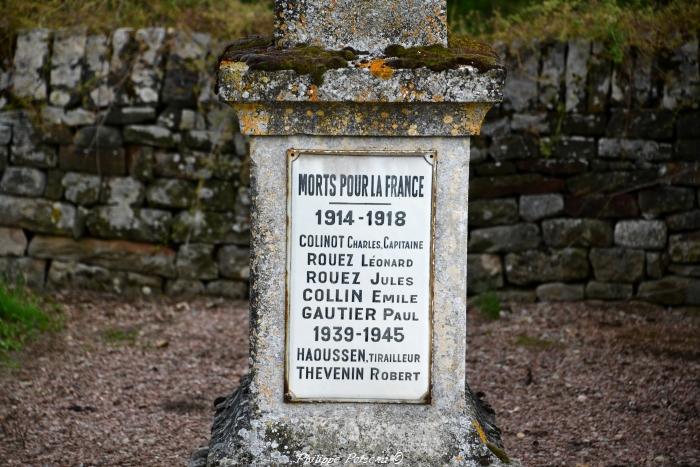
(489, 305)
(23, 317)
(125, 336)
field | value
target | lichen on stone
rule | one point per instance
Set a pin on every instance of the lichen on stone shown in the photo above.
(462, 51)
(260, 53)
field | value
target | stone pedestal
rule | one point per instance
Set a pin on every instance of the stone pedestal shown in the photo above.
(366, 104)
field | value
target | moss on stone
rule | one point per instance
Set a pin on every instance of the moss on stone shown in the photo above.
(462, 51)
(260, 53)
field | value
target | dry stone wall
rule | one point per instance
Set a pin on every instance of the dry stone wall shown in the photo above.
(121, 171)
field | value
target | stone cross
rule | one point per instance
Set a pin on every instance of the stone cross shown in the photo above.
(360, 170)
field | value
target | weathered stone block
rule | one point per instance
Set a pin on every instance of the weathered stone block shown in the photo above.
(37, 156)
(682, 86)
(513, 146)
(54, 186)
(602, 206)
(552, 74)
(689, 270)
(124, 222)
(39, 215)
(23, 270)
(609, 291)
(576, 72)
(13, 242)
(129, 115)
(680, 173)
(551, 166)
(584, 124)
(234, 262)
(494, 187)
(122, 191)
(5, 134)
(99, 94)
(151, 135)
(229, 289)
(184, 287)
(672, 290)
(208, 227)
(657, 262)
(66, 65)
(537, 124)
(576, 232)
(640, 234)
(81, 189)
(559, 292)
(98, 137)
(685, 248)
(617, 264)
(484, 273)
(637, 149)
(536, 207)
(599, 78)
(171, 193)
(69, 274)
(140, 161)
(494, 168)
(196, 261)
(147, 73)
(530, 267)
(664, 200)
(644, 124)
(597, 183)
(570, 147)
(23, 181)
(182, 72)
(114, 254)
(30, 64)
(97, 161)
(191, 166)
(520, 92)
(503, 239)
(217, 195)
(684, 221)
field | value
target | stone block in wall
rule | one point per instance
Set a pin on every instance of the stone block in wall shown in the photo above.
(124, 222)
(190, 166)
(635, 149)
(665, 200)
(559, 292)
(184, 287)
(103, 161)
(685, 248)
(192, 120)
(5, 134)
(537, 123)
(186, 60)
(493, 168)
(71, 118)
(217, 195)
(584, 124)
(98, 136)
(170, 118)
(40, 156)
(56, 134)
(536, 266)
(140, 161)
(602, 206)
(67, 66)
(151, 135)
(23, 270)
(54, 185)
(171, 193)
(656, 264)
(689, 270)
(641, 234)
(196, 261)
(520, 92)
(536, 207)
(688, 125)
(230, 167)
(489, 212)
(617, 264)
(619, 181)
(552, 74)
(682, 83)
(4, 156)
(521, 184)
(687, 149)
(514, 146)
(208, 227)
(599, 78)
(124, 50)
(641, 124)
(96, 72)
(111, 254)
(622, 85)
(570, 147)
(496, 127)
(82, 189)
(129, 115)
(683, 173)
(234, 262)
(551, 166)
(39, 215)
(147, 72)
(13, 242)
(671, 290)
(229, 289)
(69, 274)
(30, 65)
(202, 140)
(23, 181)
(576, 232)
(504, 238)
(684, 221)
(484, 273)
(577, 64)
(643, 85)
(122, 191)
(609, 291)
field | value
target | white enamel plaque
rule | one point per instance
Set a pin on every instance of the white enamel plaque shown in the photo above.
(359, 276)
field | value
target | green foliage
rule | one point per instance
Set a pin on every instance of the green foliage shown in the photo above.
(489, 305)
(23, 317)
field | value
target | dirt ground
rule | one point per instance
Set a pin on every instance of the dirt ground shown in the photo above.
(133, 383)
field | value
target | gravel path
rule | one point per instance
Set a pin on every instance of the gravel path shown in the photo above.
(133, 383)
